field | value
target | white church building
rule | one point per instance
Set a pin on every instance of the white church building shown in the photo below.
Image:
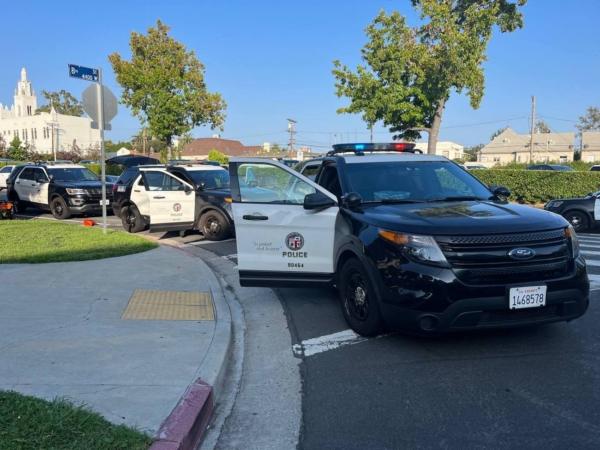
(45, 132)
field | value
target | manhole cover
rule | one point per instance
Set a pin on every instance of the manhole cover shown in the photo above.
(169, 305)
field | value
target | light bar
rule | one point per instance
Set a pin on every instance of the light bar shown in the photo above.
(379, 147)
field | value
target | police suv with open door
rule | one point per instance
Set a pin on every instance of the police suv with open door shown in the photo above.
(410, 241)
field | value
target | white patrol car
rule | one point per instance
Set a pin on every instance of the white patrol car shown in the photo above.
(175, 198)
(410, 241)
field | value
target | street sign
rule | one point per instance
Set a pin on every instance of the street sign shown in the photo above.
(84, 73)
(90, 102)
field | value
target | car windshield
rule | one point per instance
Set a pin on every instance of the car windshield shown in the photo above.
(405, 182)
(210, 179)
(73, 174)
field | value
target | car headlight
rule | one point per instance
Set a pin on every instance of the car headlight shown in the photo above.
(419, 248)
(554, 204)
(71, 191)
(572, 237)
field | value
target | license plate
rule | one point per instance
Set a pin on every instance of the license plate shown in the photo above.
(107, 202)
(527, 297)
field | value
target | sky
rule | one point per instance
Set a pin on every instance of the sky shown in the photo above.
(272, 60)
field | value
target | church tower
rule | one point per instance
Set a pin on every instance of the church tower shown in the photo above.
(25, 100)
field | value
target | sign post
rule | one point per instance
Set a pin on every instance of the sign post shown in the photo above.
(101, 105)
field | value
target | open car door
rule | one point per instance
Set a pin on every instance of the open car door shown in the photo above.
(171, 201)
(285, 225)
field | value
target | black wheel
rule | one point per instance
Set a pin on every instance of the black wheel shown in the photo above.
(360, 304)
(214, 226)
(59, 208)
(132, 220)
(578, 220)
(19, 206)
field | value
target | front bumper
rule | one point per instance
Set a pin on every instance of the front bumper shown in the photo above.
(434, 300)
(86, 205)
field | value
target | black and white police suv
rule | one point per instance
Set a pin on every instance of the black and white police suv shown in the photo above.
(63, 189)
(410, 241)
(175, 198)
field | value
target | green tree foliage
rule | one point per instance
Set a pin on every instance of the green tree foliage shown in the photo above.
(164, 85)
(216, 155)
(63, 101)
(471, 152)
(540, 186)
(17, 151)
(590, 121)
(410, 72)
(113, 147)
(542, 127)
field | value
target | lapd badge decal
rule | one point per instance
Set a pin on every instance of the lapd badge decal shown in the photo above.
(177, 207)
(294, 241)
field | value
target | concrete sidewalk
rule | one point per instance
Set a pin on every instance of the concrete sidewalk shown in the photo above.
(61, 334)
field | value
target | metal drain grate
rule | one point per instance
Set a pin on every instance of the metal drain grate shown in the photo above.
(169, 305)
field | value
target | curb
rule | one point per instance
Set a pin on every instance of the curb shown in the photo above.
(186, 426)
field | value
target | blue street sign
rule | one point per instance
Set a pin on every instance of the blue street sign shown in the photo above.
(84, 73)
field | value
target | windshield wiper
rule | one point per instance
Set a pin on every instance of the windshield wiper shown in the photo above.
(455, 198)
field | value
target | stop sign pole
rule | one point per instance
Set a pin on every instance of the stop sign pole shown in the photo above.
(94, 106)
(100, 94)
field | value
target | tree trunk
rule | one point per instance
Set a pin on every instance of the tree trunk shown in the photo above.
(434, 131)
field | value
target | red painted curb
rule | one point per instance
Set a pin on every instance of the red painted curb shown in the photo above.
(184, 428)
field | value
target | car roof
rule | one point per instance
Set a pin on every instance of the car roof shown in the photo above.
(379, 157)
(196, 167)
(56, 166)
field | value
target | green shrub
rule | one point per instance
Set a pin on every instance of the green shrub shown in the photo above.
(539, 186)
(111, 169)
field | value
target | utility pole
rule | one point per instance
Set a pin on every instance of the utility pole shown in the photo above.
(100, 94)
(532, 129)
(292, 130)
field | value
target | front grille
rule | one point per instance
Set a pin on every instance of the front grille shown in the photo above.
(519, 315)
(484, 259)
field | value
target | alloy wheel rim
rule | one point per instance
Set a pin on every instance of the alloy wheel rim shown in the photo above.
(356, 298)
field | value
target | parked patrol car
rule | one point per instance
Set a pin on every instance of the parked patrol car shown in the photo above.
(175, 197)
(63, 188)
(411, 241)
(582, 213)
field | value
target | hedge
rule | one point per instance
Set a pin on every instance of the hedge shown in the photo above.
(111, 169)
(539, 186)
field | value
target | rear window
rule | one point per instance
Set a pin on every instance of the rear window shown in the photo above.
(127, 176)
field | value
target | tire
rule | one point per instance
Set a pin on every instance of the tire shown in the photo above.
(359, 300)
(578, 220)
(20, 206)
(59, 208)
(214, 225)
(132, 220)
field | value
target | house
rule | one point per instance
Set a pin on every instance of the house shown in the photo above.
(590, 146)
(510, 146)
(199, 148)
(44, 132)
(448, 149)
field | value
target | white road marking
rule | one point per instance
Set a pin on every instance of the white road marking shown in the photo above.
(321, 344)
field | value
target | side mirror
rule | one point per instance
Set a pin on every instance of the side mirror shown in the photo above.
(187, 189)
(352, 201)
(500, 191)
(316, 201)
(201, 186)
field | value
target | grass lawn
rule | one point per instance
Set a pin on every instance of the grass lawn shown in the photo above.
(31, 423)
(42, 241)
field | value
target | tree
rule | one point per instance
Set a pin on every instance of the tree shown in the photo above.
(590, 121)
(471, 152)
(411, 72)
(63, 101)
(542, 127)
(164, 86)
(16, 150)
(216, 155)
(497, 133)
(182, 142)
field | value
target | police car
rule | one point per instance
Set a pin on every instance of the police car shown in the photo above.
(411, 241)
(175, 198)
(63, 188)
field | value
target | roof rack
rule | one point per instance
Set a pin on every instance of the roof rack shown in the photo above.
(361, 148)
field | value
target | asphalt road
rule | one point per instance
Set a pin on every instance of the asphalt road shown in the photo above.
(524, 388)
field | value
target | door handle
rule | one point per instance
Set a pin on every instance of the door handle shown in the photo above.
(34, 185)
(159, 197)
(255, 217)
(136, 190)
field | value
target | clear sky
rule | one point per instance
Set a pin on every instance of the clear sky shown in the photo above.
(272, 60)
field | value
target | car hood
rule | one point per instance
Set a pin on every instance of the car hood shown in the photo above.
(462, 218)
(82, 184)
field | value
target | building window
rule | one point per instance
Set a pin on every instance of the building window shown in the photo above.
(28, 110)
(496, 159)
(563, 159)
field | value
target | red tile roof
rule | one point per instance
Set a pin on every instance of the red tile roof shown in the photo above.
(230, 147)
